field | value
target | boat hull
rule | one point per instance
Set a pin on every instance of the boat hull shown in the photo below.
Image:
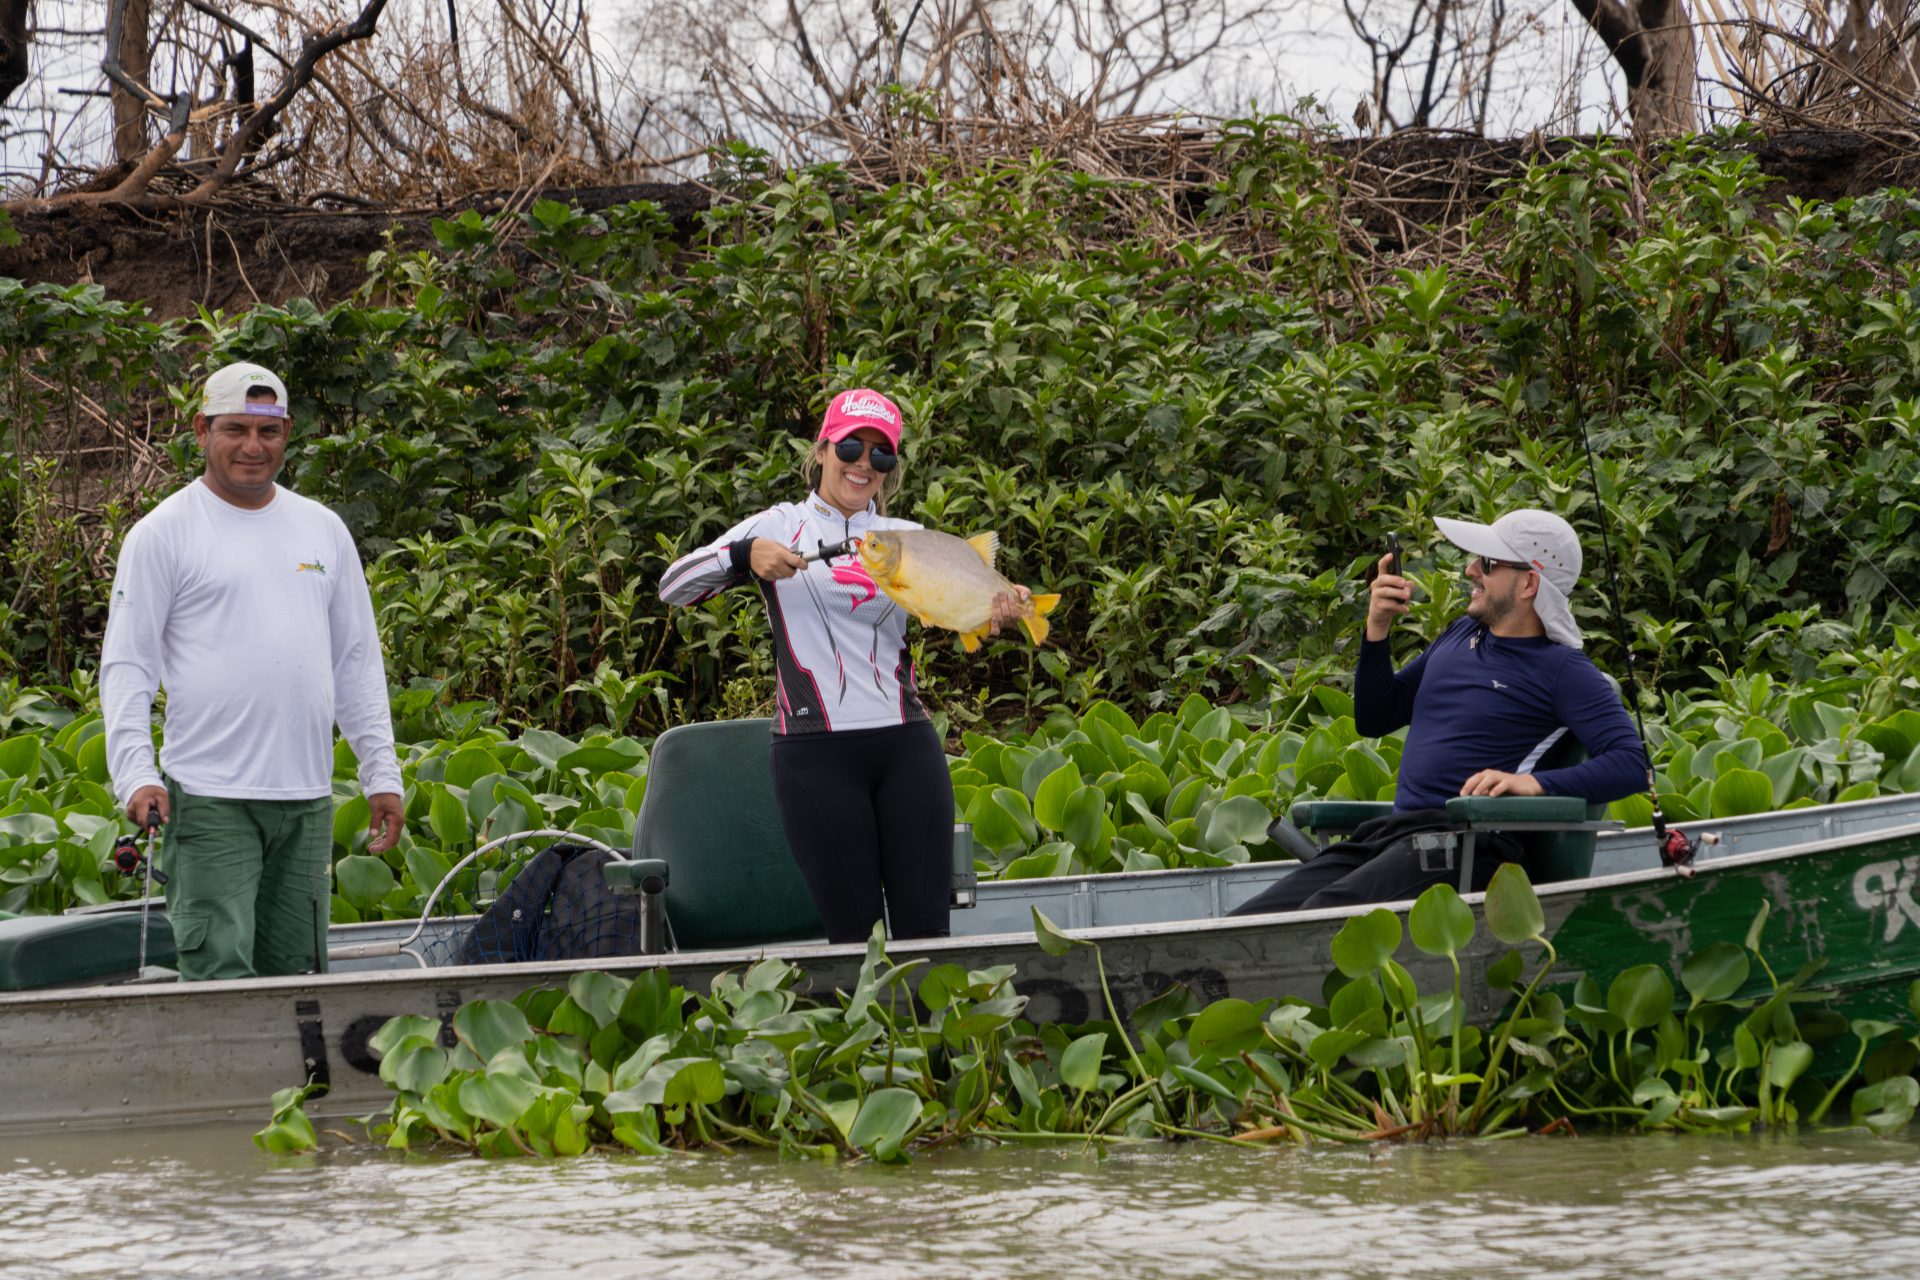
(171, 1054)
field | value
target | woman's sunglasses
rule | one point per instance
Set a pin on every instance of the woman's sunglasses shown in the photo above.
(881, 458)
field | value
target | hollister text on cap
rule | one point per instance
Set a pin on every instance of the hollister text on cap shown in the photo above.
(861, 407)
(227, 389)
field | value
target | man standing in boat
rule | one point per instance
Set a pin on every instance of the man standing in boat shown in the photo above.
(1482, 705)
(248, 604)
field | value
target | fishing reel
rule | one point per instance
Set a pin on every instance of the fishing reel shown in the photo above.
(128, 857)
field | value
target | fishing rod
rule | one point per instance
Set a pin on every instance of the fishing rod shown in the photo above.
(127, 859)
(1675, 847)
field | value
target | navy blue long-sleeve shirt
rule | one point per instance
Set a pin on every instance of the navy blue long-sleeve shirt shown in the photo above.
(1480, 701)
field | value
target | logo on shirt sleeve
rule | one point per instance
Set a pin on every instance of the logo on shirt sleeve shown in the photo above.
(311, 566)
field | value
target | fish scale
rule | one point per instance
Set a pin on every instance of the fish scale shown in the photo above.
(947, 581)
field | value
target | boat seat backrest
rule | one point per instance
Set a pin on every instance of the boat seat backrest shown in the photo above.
(1561, 855)
(709, 813)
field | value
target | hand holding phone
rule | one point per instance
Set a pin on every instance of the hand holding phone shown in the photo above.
(1389, 595)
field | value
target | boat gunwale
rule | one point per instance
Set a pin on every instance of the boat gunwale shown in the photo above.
(540, 972)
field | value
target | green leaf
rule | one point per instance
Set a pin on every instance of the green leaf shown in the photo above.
(1226, 1027)
(1759, 925)
(363, 880)
(547, 748)
(1440, 923)
(703, 1081)
(488, 1026)
(599, 760)
(1086, 820)
(1329, 1047)
(498, 1097)
(1367, 773)
(1048, 935)
(408, 1026)
(1051, 796)
(350, 820)
(468, 765)
(884, 1120)
(1080, 1062)
(415, 1067)
(1641, 996)
(1788, 1062)
(1513, 909)
(20, 758)
(1365, 941)
(427, 867)
(1237, 820)
(994, 828)
(1038, 770)
(1715, 972)
(1741, 791)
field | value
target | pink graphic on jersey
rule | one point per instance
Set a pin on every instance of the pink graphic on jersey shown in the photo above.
(850, 572)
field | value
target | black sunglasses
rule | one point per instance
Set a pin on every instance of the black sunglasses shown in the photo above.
(1488, 566)
(849, 449)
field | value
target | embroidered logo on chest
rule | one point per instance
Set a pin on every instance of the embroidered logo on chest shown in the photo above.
(851, 573)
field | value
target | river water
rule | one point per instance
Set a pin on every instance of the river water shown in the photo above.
(204, 1202)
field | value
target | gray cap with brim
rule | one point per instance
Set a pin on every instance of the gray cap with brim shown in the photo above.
(1542, 541)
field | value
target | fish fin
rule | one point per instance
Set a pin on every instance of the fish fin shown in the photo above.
(1036, 627)
(987, 544)
(1044, 604)
(970, 641)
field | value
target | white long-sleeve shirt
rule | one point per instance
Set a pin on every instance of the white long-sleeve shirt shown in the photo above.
(839, 643)
(260, 627)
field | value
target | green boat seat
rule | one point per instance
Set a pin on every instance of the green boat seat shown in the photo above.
(709, 814)
(65, 951)
(1557, 832)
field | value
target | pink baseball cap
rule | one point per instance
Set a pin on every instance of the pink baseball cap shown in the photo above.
(861, 407)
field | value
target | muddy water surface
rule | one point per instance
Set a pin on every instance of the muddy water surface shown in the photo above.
(204, 1202)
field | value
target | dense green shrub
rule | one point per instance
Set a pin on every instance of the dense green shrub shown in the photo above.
(1198, 440)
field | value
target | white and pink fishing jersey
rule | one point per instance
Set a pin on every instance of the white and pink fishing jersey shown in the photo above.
(840, 644)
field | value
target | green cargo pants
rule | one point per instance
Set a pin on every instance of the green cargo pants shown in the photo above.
(247, 885)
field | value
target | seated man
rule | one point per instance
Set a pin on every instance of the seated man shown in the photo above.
(1484, 703)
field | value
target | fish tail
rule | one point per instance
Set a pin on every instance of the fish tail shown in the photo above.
(1036, 621)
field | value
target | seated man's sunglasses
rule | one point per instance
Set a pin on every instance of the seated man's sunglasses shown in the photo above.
(882, 458)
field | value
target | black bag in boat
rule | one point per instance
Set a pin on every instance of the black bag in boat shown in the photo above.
(557, 908)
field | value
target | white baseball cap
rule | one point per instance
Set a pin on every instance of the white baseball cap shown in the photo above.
(226, 391)
(1543, 542)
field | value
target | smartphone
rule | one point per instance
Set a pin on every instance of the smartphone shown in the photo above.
(1393, 554)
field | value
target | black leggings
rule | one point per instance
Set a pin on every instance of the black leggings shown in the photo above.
(867, 810)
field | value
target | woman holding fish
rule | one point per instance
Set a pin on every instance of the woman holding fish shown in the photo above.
(858, 771)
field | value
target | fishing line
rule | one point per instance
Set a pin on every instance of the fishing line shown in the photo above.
(1680, 857)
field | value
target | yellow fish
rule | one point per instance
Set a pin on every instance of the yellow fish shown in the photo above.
(947, 582)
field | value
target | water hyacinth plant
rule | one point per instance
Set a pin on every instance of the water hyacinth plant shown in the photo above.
(1091, 792)
(919, 1057)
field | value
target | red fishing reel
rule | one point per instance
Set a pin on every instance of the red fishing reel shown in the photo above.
(1676, 850)
(126, 856)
